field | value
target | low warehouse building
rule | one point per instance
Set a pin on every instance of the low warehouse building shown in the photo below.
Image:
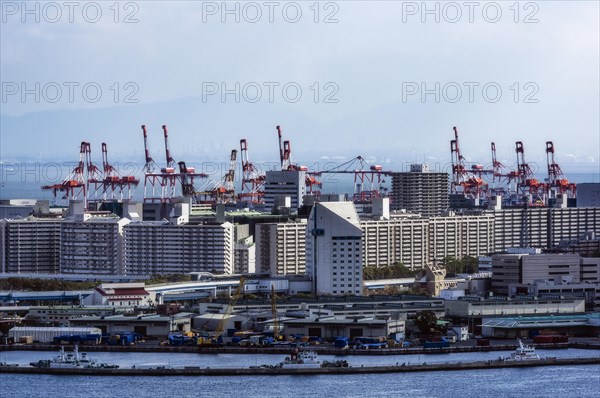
(523, 327)
(47, 334)
(332, 326)
(152, 325)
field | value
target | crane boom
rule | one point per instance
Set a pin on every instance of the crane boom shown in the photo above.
(239, 292)
(169, 158)
(274, 314)
(150, 164)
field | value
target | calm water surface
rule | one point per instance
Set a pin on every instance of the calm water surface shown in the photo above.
(558, 381)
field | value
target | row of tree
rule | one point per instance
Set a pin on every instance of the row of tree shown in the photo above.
(397, 270)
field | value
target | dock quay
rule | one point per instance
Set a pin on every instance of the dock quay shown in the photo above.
(269, 371)
(323, 350)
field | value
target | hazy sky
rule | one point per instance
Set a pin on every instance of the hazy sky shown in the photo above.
(383, 79)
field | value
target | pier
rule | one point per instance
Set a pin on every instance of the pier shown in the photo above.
(268, 371)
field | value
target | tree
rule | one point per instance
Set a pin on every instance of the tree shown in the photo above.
(396, 270)
(426, 321)
(466, 265)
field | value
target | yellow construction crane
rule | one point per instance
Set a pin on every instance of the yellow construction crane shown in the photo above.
(274, 314)
(239, 292)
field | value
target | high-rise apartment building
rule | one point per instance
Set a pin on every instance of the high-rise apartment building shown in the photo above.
(92, 245)
(30, 246)
(165, 248)
(420, 191)
(280, 248)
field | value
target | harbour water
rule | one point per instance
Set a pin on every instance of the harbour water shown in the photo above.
(559, 381)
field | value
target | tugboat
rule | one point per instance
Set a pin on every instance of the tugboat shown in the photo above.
(71, 360)
(523, 352)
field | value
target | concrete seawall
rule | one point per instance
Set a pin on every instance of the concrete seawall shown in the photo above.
(286, 349)
(197, 371)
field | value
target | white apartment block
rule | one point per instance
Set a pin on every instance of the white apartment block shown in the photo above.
(543, 227)
(416, 241)
(460, 236)
(92, 245)
(399, 239)
(280, 248)
(334, 249)
(30, 246)
(164, 248)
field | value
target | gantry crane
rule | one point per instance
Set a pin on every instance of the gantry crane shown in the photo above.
(501, 175)
(468, 182)
(556, 178)
(74, 185)
(527, 184)
(252, 180)
(285, 159)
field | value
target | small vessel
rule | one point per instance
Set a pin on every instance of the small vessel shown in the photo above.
(523, 352)
(301, 360)
(71, 360)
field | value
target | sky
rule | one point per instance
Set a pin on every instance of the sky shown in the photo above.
(383, 79)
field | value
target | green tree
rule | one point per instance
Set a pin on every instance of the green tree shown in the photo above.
(397, 270)
(466, 265)
(426, 321)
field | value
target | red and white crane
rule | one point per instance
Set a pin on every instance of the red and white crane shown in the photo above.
(253, 181)
(74, 185)
(468, 182)
(557, 181)
(527, 183)
(502, 177)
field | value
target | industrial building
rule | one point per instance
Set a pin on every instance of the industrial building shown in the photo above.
(474, 306)
(529, 326)
(527, 267)
(376, 306)
(280, 248)
(420, 191)
(150, 325)
(334, 249)
(323, 324)
(166, 248)
(118, 295)
(47, 334)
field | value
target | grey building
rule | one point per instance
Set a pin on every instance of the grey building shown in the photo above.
(588, 194)
(282, 184)
(420, 191)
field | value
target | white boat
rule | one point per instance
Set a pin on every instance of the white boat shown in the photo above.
(523, 352)
(70, 360)
(301, 360)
